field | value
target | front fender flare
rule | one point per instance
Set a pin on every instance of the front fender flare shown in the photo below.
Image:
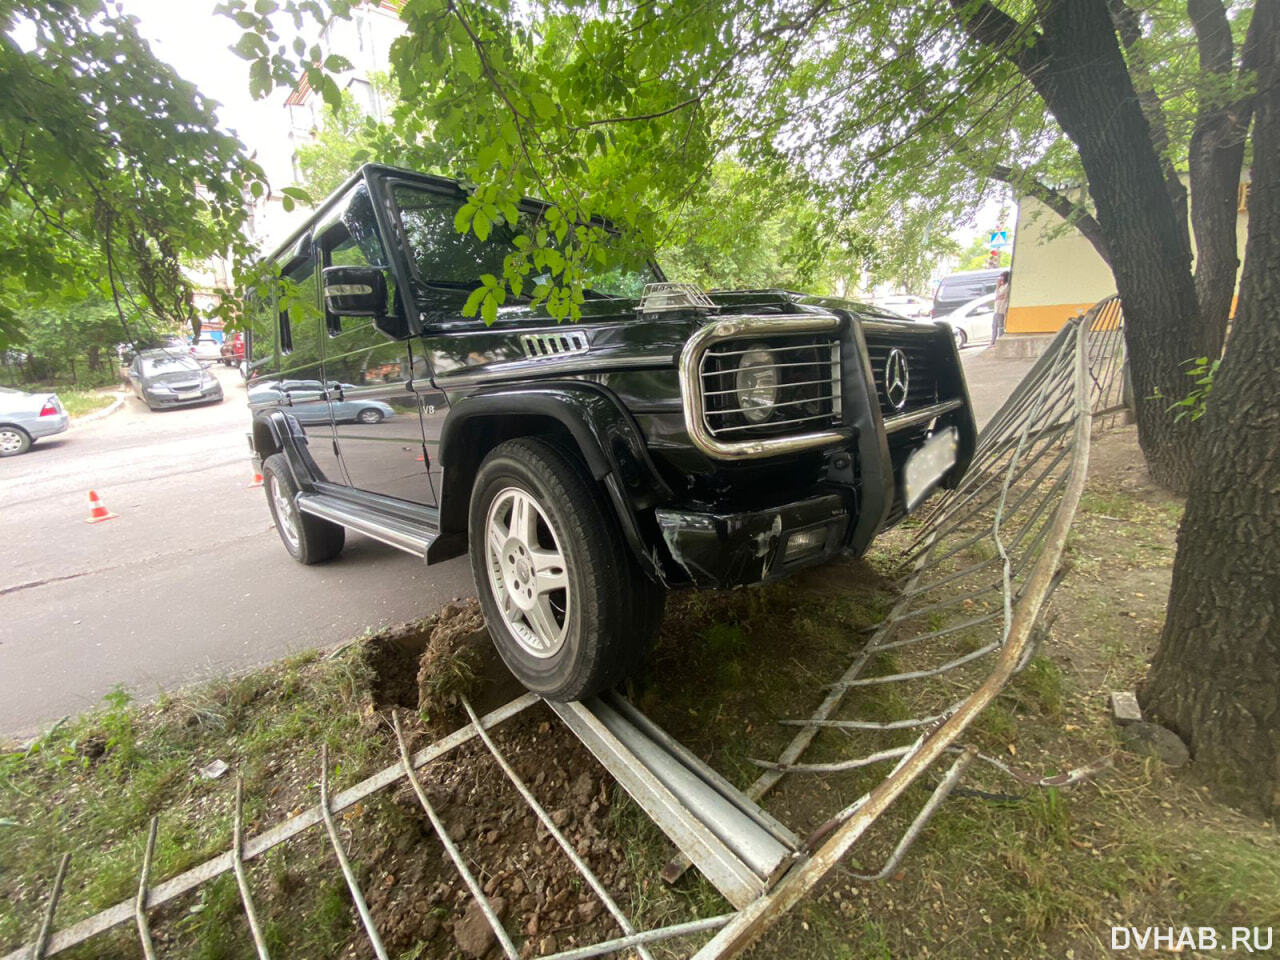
(604, 432)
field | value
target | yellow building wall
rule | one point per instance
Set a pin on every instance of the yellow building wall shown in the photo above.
(1056, 273)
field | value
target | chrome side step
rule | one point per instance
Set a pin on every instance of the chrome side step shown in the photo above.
(737, 846)
(395, 531)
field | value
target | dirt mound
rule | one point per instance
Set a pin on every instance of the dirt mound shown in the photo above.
(460, 661)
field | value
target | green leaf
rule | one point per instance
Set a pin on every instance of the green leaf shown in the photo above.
(481, 225)
(543, 105)
(472, 305)
(250, 46)
(489, 309)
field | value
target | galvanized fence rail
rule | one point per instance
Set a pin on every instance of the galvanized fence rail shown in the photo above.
(980, 571)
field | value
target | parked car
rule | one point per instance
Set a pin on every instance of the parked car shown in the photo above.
(671, 438)
(972, 322)
(26, 417)
(905, 305)
(956, 290)
(312, 404)
(162, 378)
(232, 350)
(206, 348)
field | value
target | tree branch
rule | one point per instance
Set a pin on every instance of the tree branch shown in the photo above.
(1129, 27)
(1058, 202)
(993, 28)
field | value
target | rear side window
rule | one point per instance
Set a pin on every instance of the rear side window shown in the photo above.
(260, 331)
(299, 304)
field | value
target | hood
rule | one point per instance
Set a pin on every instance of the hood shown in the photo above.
(178, 376)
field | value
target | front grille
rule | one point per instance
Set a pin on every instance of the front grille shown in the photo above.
(804, 373)
(922, 371)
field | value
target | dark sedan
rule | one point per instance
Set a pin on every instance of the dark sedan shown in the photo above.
(161, 378)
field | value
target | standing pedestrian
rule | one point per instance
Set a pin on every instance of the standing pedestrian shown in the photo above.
(1002, 307)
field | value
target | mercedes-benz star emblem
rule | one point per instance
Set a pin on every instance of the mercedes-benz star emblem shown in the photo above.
(896, 378)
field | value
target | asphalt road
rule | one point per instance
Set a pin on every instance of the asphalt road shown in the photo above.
(191, 581)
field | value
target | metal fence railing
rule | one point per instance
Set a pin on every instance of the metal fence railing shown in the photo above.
(980, 570)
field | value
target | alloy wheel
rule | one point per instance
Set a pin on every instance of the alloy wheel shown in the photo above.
(527, 572)
(286, 512)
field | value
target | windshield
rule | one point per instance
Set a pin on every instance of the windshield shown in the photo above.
(151, 366)
(443, 257)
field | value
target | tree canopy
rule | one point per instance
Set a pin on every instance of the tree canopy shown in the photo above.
(113, 171)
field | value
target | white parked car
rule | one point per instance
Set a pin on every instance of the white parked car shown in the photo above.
(905, 305)
(972, 322)
(206, 348)
(26, 417)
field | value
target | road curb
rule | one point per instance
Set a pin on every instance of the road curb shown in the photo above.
(104, 412)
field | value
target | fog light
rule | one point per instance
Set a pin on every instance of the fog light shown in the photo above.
(802, 543)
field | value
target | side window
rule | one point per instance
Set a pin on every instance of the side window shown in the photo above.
(355, 243)
(358, 353)
(299, 313)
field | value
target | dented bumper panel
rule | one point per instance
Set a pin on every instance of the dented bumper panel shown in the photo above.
(734, 549)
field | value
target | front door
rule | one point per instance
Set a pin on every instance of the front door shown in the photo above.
(370, 379)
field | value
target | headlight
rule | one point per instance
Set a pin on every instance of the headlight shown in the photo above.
(757, 384)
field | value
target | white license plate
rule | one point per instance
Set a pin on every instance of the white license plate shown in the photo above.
(188, 394)
(926, 466)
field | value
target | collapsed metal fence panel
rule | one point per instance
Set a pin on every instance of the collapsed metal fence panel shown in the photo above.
(979, 571)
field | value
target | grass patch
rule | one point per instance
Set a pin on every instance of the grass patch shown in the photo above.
(90, 787)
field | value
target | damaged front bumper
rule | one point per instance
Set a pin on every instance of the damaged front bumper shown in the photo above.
(735, 549)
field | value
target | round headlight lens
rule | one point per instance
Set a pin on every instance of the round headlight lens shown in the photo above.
(757, 384)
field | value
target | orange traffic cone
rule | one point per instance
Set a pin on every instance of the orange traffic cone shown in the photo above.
(97, 512)
(257, 479)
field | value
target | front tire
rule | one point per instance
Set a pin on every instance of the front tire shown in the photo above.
(370, 415)
(308, 539)
(569, 610)
(961, 337)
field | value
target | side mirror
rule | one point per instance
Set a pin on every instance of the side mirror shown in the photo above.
(355, 292)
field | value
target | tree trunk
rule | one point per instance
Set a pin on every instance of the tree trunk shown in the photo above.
(1076, 66)
(1214, 158)
(1216, 678)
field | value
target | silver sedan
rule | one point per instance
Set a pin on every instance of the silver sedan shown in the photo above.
(26, 417)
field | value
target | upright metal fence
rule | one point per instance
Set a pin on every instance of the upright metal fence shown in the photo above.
(979, 572)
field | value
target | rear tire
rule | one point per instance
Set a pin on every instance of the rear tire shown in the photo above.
(308, 539)
(13, 441)
(961, 337)
(568, 608)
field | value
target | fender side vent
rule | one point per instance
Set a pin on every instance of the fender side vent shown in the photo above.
(537, 345)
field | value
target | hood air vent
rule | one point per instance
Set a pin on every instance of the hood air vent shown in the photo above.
(669, 297)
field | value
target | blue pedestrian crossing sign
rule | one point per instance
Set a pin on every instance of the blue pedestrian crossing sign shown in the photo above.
(999, 238)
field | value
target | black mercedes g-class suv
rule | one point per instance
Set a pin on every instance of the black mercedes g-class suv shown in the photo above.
(670, 438)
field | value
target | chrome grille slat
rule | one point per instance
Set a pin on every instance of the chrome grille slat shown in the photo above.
(751, 426)
(802, 383)
(734, 353)
(806, 375)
